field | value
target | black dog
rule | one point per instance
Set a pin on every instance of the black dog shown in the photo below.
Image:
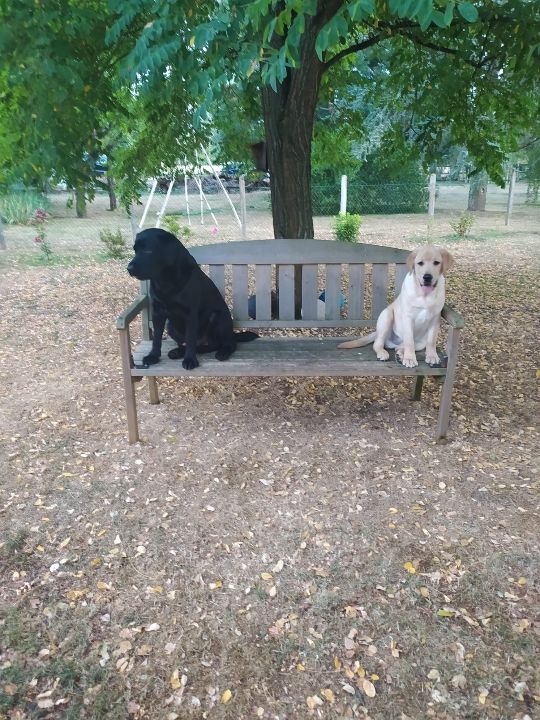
(198, 318)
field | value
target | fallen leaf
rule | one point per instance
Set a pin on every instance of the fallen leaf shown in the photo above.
(266, 576)
(368, 688)
(409, 567)
(328, 695)
(227, 695)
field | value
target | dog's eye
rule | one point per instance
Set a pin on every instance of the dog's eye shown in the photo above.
(421, 262)
(436, 262)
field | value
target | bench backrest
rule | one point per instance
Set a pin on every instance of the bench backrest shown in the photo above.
(358, 280)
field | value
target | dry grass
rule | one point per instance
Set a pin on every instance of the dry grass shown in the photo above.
(302, 544)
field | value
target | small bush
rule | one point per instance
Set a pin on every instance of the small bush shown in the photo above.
(347, 227)
(182, 232)
(18, 208)
(115, 244)
(462, 225)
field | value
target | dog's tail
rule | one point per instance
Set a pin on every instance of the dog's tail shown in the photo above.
(359, 342)
(245, 336)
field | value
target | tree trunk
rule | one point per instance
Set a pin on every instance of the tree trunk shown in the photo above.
(80, 202)
(289, 114)
(478, 191)
(111, 187)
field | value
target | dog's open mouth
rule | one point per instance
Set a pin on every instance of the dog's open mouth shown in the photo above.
(428, 289)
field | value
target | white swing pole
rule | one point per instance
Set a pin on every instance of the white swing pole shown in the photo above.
(147, 206)
(199, 185)
(186, 195)
(222, 187)
(161, 212)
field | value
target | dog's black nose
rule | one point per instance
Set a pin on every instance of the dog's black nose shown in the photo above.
(427, 278)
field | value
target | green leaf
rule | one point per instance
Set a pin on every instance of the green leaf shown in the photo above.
(468, 12)
(449, 13)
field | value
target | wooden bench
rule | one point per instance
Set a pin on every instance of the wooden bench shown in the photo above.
(358, 281)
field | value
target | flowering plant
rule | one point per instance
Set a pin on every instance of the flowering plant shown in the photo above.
(40, 218)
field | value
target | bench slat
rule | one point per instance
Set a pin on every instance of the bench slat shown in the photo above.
(401, 273)
(217, 275)
(280, 356)
(380, 290)
(286, 292)
(295, 252)
(263, 285)
(332, 292)
(310, 292)
(240, 292)
(355, 309)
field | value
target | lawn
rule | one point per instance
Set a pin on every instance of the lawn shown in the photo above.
(275, 548)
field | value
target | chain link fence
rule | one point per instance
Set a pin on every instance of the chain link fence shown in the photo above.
(213, 216)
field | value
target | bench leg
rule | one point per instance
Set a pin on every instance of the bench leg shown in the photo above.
(446, 392)
(129, 386)
(417, 388)
(153, 390)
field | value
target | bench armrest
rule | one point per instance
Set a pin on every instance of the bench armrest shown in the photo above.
(131, 312)
(452, 317)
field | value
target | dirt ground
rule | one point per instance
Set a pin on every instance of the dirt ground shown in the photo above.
(275, 548)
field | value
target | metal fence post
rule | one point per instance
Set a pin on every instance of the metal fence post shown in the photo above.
(243, 207)
(343, 200)
(432, 186)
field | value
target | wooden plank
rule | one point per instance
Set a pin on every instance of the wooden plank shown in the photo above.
(131, 312)
(240, 292)
(285, 356)
(286, 292)
(380, 290)
(297, 324)
(310, 292)
(401, 273)
(355, 308)
(129, 390)
(217, 276)
(332, 292)
(452, 317)
(295, 252)
(446, 392)
(263, 291)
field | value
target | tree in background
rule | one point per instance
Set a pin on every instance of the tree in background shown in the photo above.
(467, 66)
(57, 91)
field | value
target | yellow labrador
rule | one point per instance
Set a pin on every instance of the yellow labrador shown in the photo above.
(412, 321)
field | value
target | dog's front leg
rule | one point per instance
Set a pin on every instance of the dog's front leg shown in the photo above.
(431, 344)
(158, 321)
(406, 353)
(190, 361)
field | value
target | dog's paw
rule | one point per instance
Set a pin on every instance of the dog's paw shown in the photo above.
(409, 361)
(383, 354)
(432, 358)
(177, 353)
(222, 355)
(190, 363)
(150, 359)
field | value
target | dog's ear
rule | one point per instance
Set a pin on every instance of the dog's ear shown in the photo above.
(447, 261)
(411, 257)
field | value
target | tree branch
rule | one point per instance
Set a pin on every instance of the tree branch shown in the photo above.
(373, 40)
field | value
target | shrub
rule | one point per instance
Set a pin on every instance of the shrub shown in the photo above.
(39, 219)
(462, 225)
(18, 208)
(183, 232)
(115, 244)
(347, 227)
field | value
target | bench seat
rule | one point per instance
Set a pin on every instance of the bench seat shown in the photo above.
(298, 285)
(283, 356)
